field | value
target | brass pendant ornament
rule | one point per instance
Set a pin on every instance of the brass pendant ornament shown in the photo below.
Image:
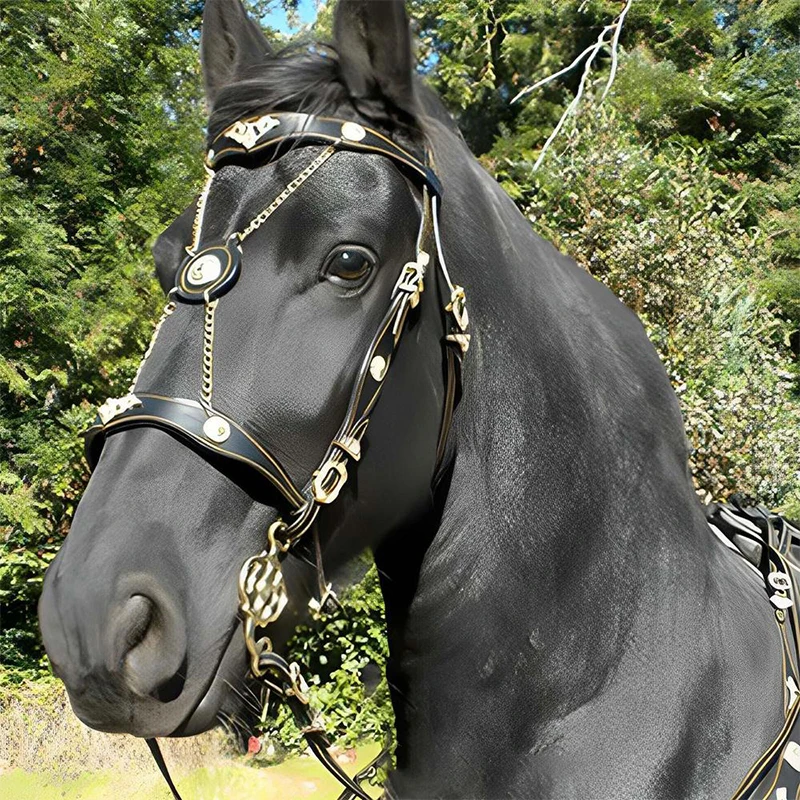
(262, 596)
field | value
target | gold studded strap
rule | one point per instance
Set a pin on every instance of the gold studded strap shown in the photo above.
(216, 436)
(261, 135)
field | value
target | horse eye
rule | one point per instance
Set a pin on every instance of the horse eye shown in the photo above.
(350, 266)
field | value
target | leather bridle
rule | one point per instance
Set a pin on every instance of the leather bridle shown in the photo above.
(208, 274)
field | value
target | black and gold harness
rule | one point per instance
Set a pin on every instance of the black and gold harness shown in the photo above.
(771, 546)
(211, 271)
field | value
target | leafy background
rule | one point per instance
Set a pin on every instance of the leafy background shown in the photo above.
(680, 191)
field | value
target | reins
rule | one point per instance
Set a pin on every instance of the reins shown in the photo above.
(208, 274)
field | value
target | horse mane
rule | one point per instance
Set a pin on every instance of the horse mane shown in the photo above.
(307, 78)
(303, 78)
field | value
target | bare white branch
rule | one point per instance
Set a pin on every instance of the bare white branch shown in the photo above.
(590, 54)
(573, 106)
(556, 75)
(615, 49)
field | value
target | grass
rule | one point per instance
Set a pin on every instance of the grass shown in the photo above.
(297, 778)
(47, 754)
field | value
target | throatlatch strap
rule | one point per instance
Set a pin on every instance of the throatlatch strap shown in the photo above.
(162, 765)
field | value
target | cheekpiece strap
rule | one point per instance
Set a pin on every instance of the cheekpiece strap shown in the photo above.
(259, 135)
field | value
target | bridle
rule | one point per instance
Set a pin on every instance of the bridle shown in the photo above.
(208, 274)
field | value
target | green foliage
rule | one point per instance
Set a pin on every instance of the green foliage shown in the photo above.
(668, 235)
(100, 136)
(342, 655)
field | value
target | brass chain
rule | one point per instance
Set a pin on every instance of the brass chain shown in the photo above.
(290, 189)
(197, 225)
(211, 305)
(208, 355)
(168, 309)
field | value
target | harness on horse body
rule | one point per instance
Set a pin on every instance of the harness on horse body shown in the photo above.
(771, 547)
(206, 276)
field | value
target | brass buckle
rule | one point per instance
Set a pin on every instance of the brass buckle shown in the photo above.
(411, 282)
(458, 307)
(328, 481)
(299, 687)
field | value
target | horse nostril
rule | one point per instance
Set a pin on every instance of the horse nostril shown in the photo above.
(150, 647)
(136, 618)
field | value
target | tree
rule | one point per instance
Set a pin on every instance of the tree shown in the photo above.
(100, 140)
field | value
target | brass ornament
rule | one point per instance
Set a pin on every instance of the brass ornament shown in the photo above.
(781, 601)
(262, 598)
(353, 132)
(791, 755)
(203, 270)
(462, 340)
(290, 189)
(458, 307)
(378, 368)
(112, 408)
(411, 281)
(217, 429)
(317, 607)
(328, 481)
(794, 692)
(779, 581)
(247, 134)
(351, 445)
(207, 387)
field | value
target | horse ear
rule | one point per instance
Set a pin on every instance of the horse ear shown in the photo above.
(169, 250)
(230, 41)
(373, 39)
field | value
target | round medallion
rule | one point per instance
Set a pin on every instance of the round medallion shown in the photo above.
(217, 429)
(209, 274)
(205, 269)
(353, 132)
(779, 581)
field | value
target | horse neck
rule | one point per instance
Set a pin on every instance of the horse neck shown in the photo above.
(569, 516)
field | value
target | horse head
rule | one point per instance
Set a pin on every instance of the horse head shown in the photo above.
(289, 284)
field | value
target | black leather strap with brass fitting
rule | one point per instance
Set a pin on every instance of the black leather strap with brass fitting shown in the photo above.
(262, 135)
(187, 420)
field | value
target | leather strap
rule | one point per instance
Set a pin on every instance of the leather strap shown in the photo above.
(158, 757)
(775, 770)
(310, 727)
(262, 135)
(189, 422)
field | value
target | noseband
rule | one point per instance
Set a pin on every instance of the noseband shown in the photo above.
(208, 274)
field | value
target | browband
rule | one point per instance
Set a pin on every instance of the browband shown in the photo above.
(259, 135)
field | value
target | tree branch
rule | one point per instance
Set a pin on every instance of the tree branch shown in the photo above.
(590, 54)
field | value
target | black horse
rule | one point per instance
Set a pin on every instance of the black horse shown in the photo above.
(562, 622)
